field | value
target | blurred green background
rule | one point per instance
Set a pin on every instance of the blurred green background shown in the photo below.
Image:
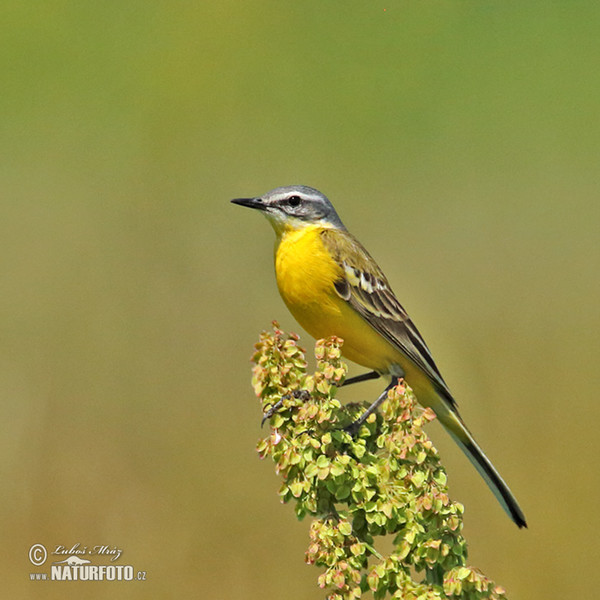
(460, 141)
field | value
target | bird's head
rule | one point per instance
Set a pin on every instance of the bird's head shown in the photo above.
(294, 207)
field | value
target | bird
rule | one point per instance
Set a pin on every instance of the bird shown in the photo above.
(333, 287)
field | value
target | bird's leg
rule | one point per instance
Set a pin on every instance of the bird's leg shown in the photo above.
(359, 378)
(271, 411)
(355, 425)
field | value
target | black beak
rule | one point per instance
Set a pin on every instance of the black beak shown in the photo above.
(250, 202)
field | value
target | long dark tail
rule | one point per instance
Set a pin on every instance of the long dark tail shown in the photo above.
(454, 425)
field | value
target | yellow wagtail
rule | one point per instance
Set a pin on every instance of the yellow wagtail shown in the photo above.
(332, 286)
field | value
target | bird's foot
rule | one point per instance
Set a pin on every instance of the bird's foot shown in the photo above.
(298, 394)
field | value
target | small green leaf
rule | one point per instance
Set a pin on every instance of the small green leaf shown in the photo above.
(345, 528)
(322, 461)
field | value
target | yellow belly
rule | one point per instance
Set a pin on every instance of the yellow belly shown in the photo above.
(305, 276)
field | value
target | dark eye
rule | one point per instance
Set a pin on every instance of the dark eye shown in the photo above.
(294, 201)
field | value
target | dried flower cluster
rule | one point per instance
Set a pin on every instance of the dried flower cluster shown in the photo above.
(384, 480)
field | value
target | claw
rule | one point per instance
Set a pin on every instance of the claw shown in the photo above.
(299, 394)
(353, 428)
(269, 413)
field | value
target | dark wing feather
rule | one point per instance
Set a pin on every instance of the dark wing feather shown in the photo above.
(364, 286)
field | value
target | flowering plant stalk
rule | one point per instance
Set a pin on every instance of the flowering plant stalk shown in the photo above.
(384, 480)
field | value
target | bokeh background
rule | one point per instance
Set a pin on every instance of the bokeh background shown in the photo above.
(459, 140)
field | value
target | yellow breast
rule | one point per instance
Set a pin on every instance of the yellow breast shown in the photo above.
(306, 273)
